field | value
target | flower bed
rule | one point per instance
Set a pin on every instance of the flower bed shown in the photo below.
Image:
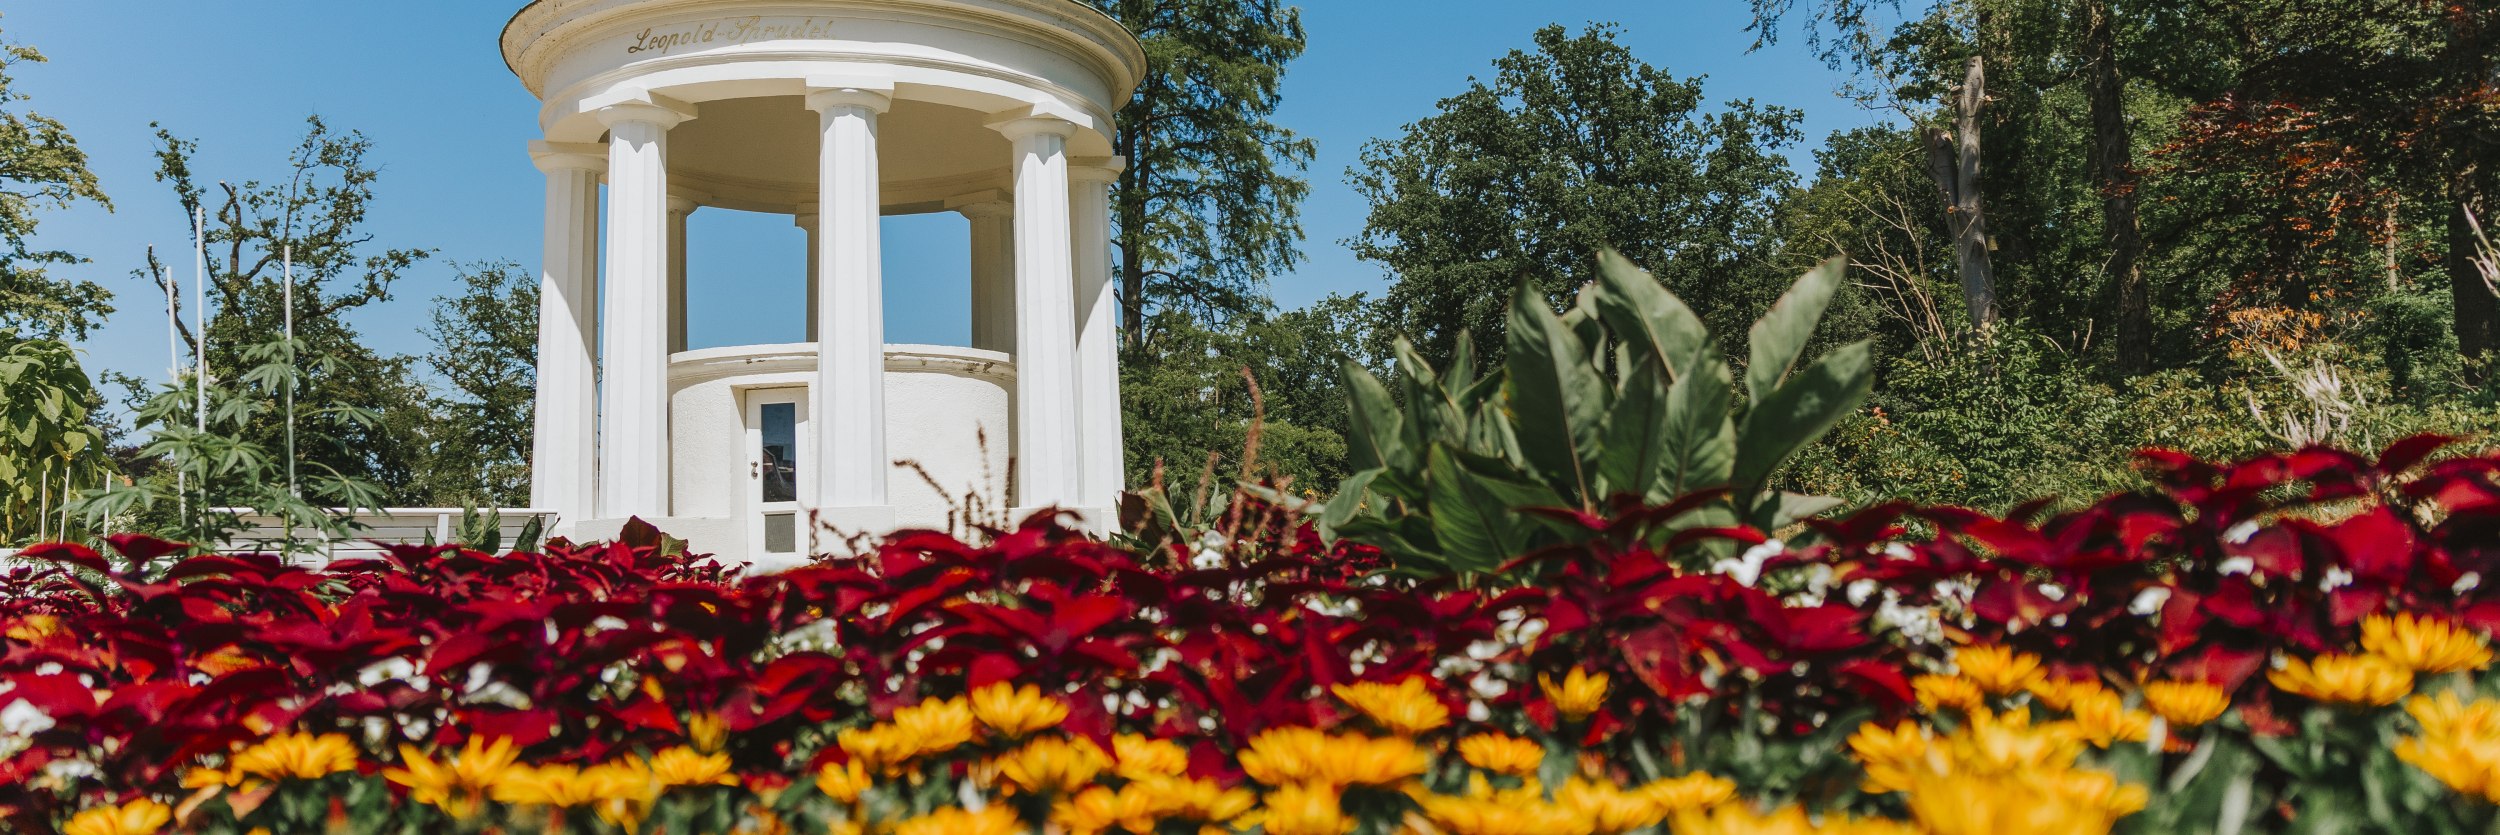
(2291, 643)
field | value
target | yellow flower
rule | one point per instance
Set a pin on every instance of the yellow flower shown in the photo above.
(1099, 809)
(1304, 809)
(935, 726)
(2469, 765)
(1940, 692)
(1477, 816)
(2355, 680)
(455, 786)
(843, 781)
(1015, 712)
(1179, 798)
(1890, 755)
(561, 786)
(683, 766)
(1406, 708)
(2103, 719)
(1608, 809)
(296, 757)
(2007, 743)
(1580, 694)
(138, 817)
(1698, 790)
(1053, 765)
(1502, 754)
(1283, 756)
(1140, 757)
(1736, 819)
(2446, 715)
(626, 790)
(34, 628)
(2186, 704)
(707, 732)
(994, 820)
(2060, 693)
(2424, 644)
(1998, 670)
(879, 747)
(1969, 804)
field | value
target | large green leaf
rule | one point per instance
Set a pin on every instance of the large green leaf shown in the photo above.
(1372, 416)
(1780, 336)
(1699, 445)
(1798, 412)
(1636, 428)
(1559, 397)
(1352, 496)
(1474, 510)
(1431, 412)
(1646, 316)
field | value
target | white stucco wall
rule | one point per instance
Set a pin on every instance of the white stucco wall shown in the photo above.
(940, 401)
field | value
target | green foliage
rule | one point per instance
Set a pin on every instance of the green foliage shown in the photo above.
(49, 444)
(486, 354)
(42, 167)
(1565, 150)
(1625, 398)
(1189, 409)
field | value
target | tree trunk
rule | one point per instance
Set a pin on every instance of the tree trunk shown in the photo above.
(1132, 198)
(2113, 168)
(2470, 174)
(1953, 161)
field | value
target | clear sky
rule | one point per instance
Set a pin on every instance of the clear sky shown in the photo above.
(449, 124)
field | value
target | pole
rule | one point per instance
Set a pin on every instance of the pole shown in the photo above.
(288, 259)
(199, 315)
(173, 371)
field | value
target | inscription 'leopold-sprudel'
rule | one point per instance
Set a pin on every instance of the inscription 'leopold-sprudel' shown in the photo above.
(732, 31)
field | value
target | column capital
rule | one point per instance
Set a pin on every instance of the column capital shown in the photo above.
(1020, 124)
(827, 95)
(640, 107)
(986, 209)
(1096, 169)
(988, 202)
(552, 157)
(804, 216)
(685, 201)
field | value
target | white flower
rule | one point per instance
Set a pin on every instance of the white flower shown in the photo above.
(1209, 553)
(2236, 565)
(1747, 567)
(393, 668)
(2336, 578)
(2052, 591)
(1861, 591)
(22, 719)
(606, 622)
(2149, 601)
(2241, 532)
(2470, 581)
(1898, 551)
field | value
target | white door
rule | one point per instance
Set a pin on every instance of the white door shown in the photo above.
(777, 448)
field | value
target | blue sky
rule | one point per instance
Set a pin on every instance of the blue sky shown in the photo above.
(449, 125)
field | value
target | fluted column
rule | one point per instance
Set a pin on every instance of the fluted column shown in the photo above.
(633, 438)
(1048, 449)
(564, 454)
(847, 403)
(679, 208)
(1097, 333)
(993, 275)
(805, 220)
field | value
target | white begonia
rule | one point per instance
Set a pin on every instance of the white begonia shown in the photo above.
(1898, 551)
(608, 622)
(2470, 581)
(1478, 712)
(1210, 551)
(393, 668)
(1860, 591)
(2236, 566)
(2149, 601)
(22, 718)
(2053, 591)
(1746, 568)
(2336, 578)
(1917, 624)
(2241, 532)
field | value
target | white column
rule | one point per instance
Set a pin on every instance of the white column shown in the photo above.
(564, 454)
(633, 438)
(847, 403)
(1097, 333)
(993, 275)
(1048, 449)
(805, 220)
(679, 208)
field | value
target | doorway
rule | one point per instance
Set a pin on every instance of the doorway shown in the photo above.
(777, 452)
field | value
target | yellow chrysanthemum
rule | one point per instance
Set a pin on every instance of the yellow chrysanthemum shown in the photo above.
(1889, 754)
(1502, 754)
(1954, 692)
(1016, 713)
(458, 784)
(1407, 708)
(683, 766)
(843, 781)
(707, 732)
(1053, 765)
(1199, 801)
(138, 817)
(2007, 743)
(294, 756)
(2103, 720)
(2446, 715)
(993, 820)
(2355, 680)
(1998, 670)
(1977, 804)
(881, 748)
(1578, 696)
(1100, 809)
(2060, 693)
(2469, 765)
(1474, 816)
(1285, 756)
(1698, 790)
(2186, 704)
(2424, 644)
(1609, 809)
(935, 726)
(560, 786)
(627, 790)
(1736, 819)
(1137, 757)
(1303, 809)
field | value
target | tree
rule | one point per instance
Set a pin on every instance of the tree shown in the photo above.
(486, 353)
(41, 166)
(1210, 204)
(1189, 405)
(361, 402)
(1576, 146)
(50, 447)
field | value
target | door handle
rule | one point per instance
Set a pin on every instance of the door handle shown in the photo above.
(755, 469)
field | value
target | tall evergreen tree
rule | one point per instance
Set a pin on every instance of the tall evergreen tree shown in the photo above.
(1210, 205)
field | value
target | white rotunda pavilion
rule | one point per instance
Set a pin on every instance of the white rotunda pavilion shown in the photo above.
(836, 113)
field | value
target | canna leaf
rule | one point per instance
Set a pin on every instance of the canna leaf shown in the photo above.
(1799, 412)
(1560, 401)
(1780, 336)
(1647, 317)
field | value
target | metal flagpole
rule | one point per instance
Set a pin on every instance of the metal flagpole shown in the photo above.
(292, 369)
(173, 355)
(199, 316)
